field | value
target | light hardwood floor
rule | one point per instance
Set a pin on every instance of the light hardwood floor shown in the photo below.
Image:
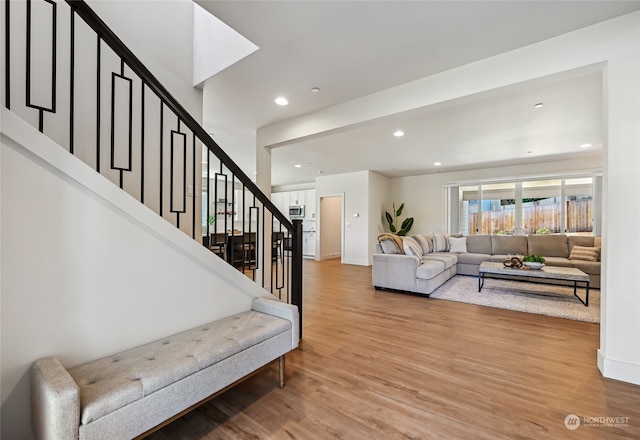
(382, 365)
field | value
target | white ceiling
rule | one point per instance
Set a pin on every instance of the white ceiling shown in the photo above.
(351, 49)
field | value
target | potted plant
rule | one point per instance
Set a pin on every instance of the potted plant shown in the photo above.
(392, 220)
(533, 261)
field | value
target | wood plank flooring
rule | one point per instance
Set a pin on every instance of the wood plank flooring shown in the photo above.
(383, 365)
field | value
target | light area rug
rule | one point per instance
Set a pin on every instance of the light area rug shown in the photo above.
(540, 299)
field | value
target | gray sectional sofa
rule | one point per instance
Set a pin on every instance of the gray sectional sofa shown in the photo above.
(399, 264)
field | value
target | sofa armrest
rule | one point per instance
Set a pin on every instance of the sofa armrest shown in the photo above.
(55, 400)
(275, 307)
(390, 270)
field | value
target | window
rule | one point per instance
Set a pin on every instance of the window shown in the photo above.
(524, 207)
(542, 206)
(579, 205)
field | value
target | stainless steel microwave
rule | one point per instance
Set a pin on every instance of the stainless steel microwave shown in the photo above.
(296, 211)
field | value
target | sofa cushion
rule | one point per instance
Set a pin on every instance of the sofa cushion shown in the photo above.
(580, 240)
(584, 253)
(588, 267)
(509, 244)
(447, 258)
(479, 244)
(458, 245)
(429, 269)
(473, 258)
(558, 261)
(440, 242)
(425, 241)
(549, 245)
(411, 247)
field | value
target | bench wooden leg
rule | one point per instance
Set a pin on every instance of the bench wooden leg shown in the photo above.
(281, 365)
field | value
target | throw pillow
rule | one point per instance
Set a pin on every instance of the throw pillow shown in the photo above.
(584, 253)
(458, 245)
(391, 243)
(424, 242)
(389, 246)
(440, 242)
(411, 247)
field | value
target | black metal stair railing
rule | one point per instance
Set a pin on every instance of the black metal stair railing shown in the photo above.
(78, 83)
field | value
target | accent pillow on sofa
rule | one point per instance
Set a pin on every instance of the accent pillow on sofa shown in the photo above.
(391, 243)
(584, 253)
(425, 242)
(440, 242)
(411, 247)
(458, 245)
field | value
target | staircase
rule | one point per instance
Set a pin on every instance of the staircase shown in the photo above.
(70, 77)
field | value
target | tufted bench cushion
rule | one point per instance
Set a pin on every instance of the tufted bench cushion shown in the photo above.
(134, 392)
(115, 381)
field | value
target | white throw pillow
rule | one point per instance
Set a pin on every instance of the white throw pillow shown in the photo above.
(411, 247)
(440, 242)
(458, 245)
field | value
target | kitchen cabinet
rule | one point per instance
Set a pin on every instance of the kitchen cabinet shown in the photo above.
(306, 198)
(297, 198)
(310, 204)
(309, 244)
(281, 200)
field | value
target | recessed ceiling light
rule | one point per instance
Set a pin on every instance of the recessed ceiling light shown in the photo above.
(298, 165)
(539, 105)
(281, 100)
(586, 146)
(437, 164)
(315, 89)
(398, 133)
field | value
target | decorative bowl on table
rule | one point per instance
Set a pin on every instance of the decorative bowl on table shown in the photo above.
(534, 265)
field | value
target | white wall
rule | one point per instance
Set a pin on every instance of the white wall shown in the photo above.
(619, 353)
(87, 271)
(355, 187)
(379, 202)
(160, 33)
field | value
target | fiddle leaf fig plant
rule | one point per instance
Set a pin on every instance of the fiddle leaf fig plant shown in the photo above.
(404, 227)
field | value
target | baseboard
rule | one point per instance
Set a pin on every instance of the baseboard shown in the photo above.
(355, 262)
(618, 370)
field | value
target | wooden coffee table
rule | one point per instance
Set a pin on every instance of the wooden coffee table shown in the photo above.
(487, 269)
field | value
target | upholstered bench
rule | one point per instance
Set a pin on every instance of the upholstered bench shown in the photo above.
(132, 392)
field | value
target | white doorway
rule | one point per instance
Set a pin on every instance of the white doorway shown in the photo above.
(330, 231)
